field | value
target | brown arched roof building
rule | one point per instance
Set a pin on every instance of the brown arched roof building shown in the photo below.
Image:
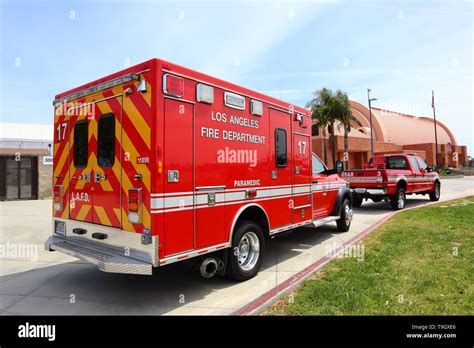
(393, 132)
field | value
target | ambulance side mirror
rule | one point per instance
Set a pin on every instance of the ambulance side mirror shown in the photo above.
(339, 166)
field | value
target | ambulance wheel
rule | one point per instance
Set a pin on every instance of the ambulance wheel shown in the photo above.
(399, 200)
(246, 254)
(357, 202)
(436, 193)
(344, 223)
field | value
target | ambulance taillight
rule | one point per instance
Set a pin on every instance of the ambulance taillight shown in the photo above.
(58, 197)
(135, 205)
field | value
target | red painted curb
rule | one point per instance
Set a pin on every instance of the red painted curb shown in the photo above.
(300, 276)
(280, 289)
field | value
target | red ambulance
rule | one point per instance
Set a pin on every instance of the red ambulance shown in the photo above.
(158, 163)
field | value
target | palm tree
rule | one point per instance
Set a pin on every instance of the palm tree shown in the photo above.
(345, 119)
(327, 108)
(322, 123)
(320, 112)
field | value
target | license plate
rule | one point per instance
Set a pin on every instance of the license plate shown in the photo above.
(60, 228)
(360, 190)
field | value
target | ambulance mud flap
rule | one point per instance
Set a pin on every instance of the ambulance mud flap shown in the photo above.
(343, 193)
(106, 259)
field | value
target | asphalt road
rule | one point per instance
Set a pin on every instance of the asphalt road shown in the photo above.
(44, 283)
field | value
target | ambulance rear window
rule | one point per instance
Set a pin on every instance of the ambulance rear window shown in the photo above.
(81, 137)
(280, 148)
(106, 141)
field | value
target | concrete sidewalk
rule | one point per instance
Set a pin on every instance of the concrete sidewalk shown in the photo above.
(58, 284)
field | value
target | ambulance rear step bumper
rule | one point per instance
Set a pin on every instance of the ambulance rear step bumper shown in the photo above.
(104, 258)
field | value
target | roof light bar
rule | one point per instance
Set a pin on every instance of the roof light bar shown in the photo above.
(104, 85)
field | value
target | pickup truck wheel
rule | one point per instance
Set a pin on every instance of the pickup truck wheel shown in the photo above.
(248, 247)
(436, 193)
(344, 223)
(357, 202)
(398, 200)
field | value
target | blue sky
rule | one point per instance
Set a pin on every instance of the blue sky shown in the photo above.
(401, 50)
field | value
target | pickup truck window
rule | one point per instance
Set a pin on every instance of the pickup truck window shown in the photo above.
(397, 162)
(414, 164)
(318, 166)
(422, 163)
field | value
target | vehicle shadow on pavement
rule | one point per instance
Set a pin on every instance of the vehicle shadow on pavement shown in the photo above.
(80, 288)
(289, 244)
(380, 208)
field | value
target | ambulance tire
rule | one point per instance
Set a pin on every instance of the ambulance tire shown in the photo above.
(344, 223)
(357, 202)
(246, 254)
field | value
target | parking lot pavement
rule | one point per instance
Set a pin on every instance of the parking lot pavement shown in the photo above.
(53, 283)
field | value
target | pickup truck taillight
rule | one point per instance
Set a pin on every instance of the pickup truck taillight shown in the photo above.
(135, 205)
(58, 197)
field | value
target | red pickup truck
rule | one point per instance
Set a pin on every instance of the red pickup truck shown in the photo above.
(391, 178)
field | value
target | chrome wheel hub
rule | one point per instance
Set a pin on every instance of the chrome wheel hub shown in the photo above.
(349, 214)
(248, 251)
(401, 201)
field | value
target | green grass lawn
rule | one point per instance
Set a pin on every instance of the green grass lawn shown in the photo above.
(421, 262)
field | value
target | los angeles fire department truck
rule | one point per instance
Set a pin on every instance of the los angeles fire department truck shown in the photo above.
(159, 163)
(391, 178)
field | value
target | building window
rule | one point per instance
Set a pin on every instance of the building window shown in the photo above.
(106, 141)
(356, 121)
(281, 158)
(81, 138)
(314, 130)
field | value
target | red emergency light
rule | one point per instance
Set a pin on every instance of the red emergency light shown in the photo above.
(173, 85)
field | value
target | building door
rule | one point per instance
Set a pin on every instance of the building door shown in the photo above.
(20, 175)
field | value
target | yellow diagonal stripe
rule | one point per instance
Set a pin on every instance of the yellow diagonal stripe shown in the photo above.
(128, 145)
(122, 216)
(103, 218)
(147, 95)
(138, 121)
(83, 212)
(61, 161)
